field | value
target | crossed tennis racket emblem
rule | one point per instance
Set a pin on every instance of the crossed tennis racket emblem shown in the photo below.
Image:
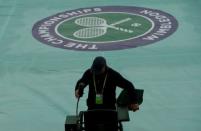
(96, 27)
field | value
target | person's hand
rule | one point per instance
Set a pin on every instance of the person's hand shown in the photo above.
(77, 94)
(80, 90)
(134, 107)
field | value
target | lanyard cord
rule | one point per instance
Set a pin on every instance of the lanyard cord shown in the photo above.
(103, 83)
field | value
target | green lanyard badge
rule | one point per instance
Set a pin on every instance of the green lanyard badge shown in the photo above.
(99, 96)
(99, 99)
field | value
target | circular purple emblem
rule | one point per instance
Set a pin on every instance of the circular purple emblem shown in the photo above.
(105, 28)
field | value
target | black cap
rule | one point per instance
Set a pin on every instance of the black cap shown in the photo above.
(98, 64)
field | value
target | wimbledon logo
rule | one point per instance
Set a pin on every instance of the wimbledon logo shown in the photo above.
(105, 28)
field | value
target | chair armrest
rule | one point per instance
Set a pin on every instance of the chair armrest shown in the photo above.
(123, 114)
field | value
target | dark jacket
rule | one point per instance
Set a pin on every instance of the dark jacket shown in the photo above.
(113, 80)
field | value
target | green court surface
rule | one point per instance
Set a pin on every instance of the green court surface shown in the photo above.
(37, 80)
